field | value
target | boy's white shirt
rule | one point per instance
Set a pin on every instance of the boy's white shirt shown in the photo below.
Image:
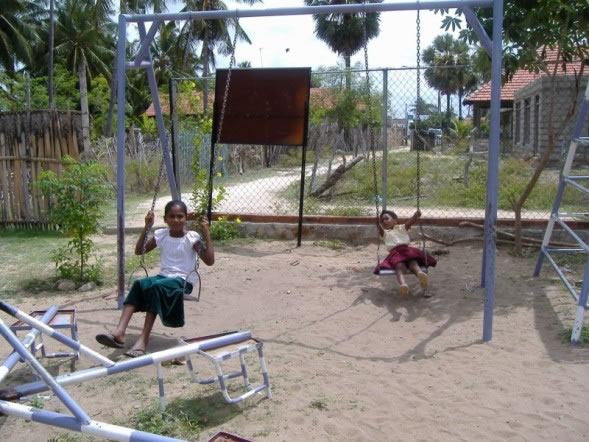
(396, 236)
(177, 255)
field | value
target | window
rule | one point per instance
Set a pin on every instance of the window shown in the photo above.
(527, 128)
(517, 121)
(536, 122)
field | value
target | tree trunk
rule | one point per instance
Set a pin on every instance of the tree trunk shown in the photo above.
(335, 176)
(84, 106)
(348, 64)
(460, 94)
(50, 67)
(111, 103)
(448, 110)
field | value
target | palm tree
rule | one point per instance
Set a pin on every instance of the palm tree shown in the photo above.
(345, 34)
(214, 34)
(449, 70)
(168, 57)
(82, 41)
(127, 7)
(17, 31)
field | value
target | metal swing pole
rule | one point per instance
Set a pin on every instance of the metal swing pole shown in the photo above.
(490, 238)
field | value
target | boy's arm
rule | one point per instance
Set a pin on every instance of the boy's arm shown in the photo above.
(412, 220)
(206, 253)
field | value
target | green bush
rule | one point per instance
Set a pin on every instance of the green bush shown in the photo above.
(224, 230)
(77, 200)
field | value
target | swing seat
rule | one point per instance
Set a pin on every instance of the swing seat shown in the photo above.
(393, 272)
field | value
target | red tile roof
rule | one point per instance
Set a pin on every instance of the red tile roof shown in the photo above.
(521, 78)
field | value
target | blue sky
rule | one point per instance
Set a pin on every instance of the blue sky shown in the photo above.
(272, 36)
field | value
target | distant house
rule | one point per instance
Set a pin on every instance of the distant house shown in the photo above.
(525, 107)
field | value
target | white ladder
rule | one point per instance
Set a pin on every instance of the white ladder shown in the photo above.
(566, 179)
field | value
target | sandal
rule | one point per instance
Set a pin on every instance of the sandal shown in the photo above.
(108, 340)
(403, 290)
(423, 279)
(135, 353)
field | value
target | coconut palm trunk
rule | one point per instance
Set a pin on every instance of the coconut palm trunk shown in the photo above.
(84, 106)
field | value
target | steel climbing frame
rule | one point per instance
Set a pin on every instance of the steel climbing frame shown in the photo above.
(143, 61)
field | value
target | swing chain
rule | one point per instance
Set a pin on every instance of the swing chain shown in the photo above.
(417, 104)
(369, 102)
(226, 94)
(156, 191)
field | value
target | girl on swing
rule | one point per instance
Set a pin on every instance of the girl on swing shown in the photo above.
(401, 255)
(163, 295)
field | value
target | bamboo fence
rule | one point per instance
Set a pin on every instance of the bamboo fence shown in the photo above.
(31, 142)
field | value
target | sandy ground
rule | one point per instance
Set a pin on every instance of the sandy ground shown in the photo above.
(348, 358)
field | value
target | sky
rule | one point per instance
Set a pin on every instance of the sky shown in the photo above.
(290, 41)
(271, 37)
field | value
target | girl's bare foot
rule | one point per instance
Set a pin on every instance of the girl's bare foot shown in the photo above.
(423, 279)
(403, 290)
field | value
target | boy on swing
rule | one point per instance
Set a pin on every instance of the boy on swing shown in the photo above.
(400, 254)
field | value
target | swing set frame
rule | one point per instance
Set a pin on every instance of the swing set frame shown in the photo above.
(143, 61)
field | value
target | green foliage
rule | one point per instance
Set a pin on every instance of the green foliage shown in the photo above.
(140, 176)
(98, 101)
(222, 229)
(583, 338)
(460, 132)
(36, 402)
(319, 403)
(531, 26)
(200, 189)
(514, 174)
(183, 418)
(14, 98)
(77, 199)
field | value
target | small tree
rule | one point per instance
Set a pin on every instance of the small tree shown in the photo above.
(200, 188)
(77, 199)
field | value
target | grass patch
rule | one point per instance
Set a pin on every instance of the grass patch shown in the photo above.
(583, 338)
(319, 403)
(25, 256)
(184, 418)
(442, 185)
(333, 244)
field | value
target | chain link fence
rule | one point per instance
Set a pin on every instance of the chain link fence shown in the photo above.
(339, 171)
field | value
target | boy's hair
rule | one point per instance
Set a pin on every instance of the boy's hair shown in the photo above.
(175, 203)
(388, 212)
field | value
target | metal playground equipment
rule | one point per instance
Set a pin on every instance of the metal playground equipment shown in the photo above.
(142, 60)
(217, 348)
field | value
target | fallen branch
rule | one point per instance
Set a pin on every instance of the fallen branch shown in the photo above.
(335, 176)
(474, 238)
(524, 238)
